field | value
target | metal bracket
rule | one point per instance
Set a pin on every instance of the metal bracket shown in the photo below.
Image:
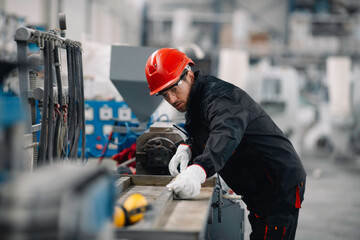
(219, 203)
(30, 94)
(36, 127)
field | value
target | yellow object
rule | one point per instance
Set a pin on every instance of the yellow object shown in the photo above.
(119, 217)
(131, 211)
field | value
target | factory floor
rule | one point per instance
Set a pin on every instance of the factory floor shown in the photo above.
(331, 209)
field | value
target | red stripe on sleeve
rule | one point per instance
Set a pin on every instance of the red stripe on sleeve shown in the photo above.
(297, 202)
(266, 229)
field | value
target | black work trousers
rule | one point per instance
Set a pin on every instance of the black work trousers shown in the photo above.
(279, 225)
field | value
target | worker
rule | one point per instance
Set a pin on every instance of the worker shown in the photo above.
(234, 137)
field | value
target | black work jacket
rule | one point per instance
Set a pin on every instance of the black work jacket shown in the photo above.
(233, 135)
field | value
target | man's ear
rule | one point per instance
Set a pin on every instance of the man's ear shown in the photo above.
(191, 76)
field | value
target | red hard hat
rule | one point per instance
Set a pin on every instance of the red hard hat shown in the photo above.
(163, 68)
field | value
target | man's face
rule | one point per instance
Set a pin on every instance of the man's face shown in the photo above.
(178, 94)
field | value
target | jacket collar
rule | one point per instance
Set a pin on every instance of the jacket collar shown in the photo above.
(195, 93)
(194, 102)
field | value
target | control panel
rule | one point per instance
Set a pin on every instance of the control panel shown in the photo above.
(100, 118)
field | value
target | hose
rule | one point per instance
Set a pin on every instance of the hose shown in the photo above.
(102, 155)
(75, 105)
(71, 109)
(78, 107)
(59, 100)
(49, 81)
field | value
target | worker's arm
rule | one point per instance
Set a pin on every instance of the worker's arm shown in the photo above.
(227, 122)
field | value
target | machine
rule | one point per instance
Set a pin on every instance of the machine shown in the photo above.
(58, 198)
(58, 201)
(61, 102)
(157, 141)
(156, 144)
(45, 193)
(155, 147)
(11, 128)
(101, 117)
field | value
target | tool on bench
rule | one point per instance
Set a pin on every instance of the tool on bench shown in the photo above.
(131, 211)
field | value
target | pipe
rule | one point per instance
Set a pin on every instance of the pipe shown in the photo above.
(44, 113)
(33, 36)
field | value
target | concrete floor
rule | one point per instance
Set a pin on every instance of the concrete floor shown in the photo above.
(331, 209)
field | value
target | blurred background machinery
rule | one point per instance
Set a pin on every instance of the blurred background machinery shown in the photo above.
(61, 106)
(100, 119)
(157, 141)
(12, 158)
(57, 202)
(87, 97)
(296, 35)
(74, 201)
(44, 192)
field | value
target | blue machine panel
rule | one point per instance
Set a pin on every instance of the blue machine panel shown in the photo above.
(100, 118)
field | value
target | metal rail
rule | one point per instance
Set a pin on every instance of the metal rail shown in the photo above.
(35, 36)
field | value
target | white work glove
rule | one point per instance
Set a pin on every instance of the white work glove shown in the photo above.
(182, 157)
(187, 184)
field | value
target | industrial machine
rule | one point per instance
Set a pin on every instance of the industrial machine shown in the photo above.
(101, 117)
(57, 199)
(155, 147)
(57, 202)
(58, 94)
(10, 128)
(210, 216)
(157, 141)
(45, 193)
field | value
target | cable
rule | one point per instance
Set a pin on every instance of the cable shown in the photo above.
(70, 94)
(71, 111)
(118, 143)
(102, 155)
(50, 138)
(79, 105)
(77, 112)
(75, 140)
(129, 131)
(163, 115)
(59, 100)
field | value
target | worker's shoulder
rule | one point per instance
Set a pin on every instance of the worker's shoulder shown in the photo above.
(214, 85)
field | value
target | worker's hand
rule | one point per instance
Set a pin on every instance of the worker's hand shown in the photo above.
(187, 184)
(181, 157)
